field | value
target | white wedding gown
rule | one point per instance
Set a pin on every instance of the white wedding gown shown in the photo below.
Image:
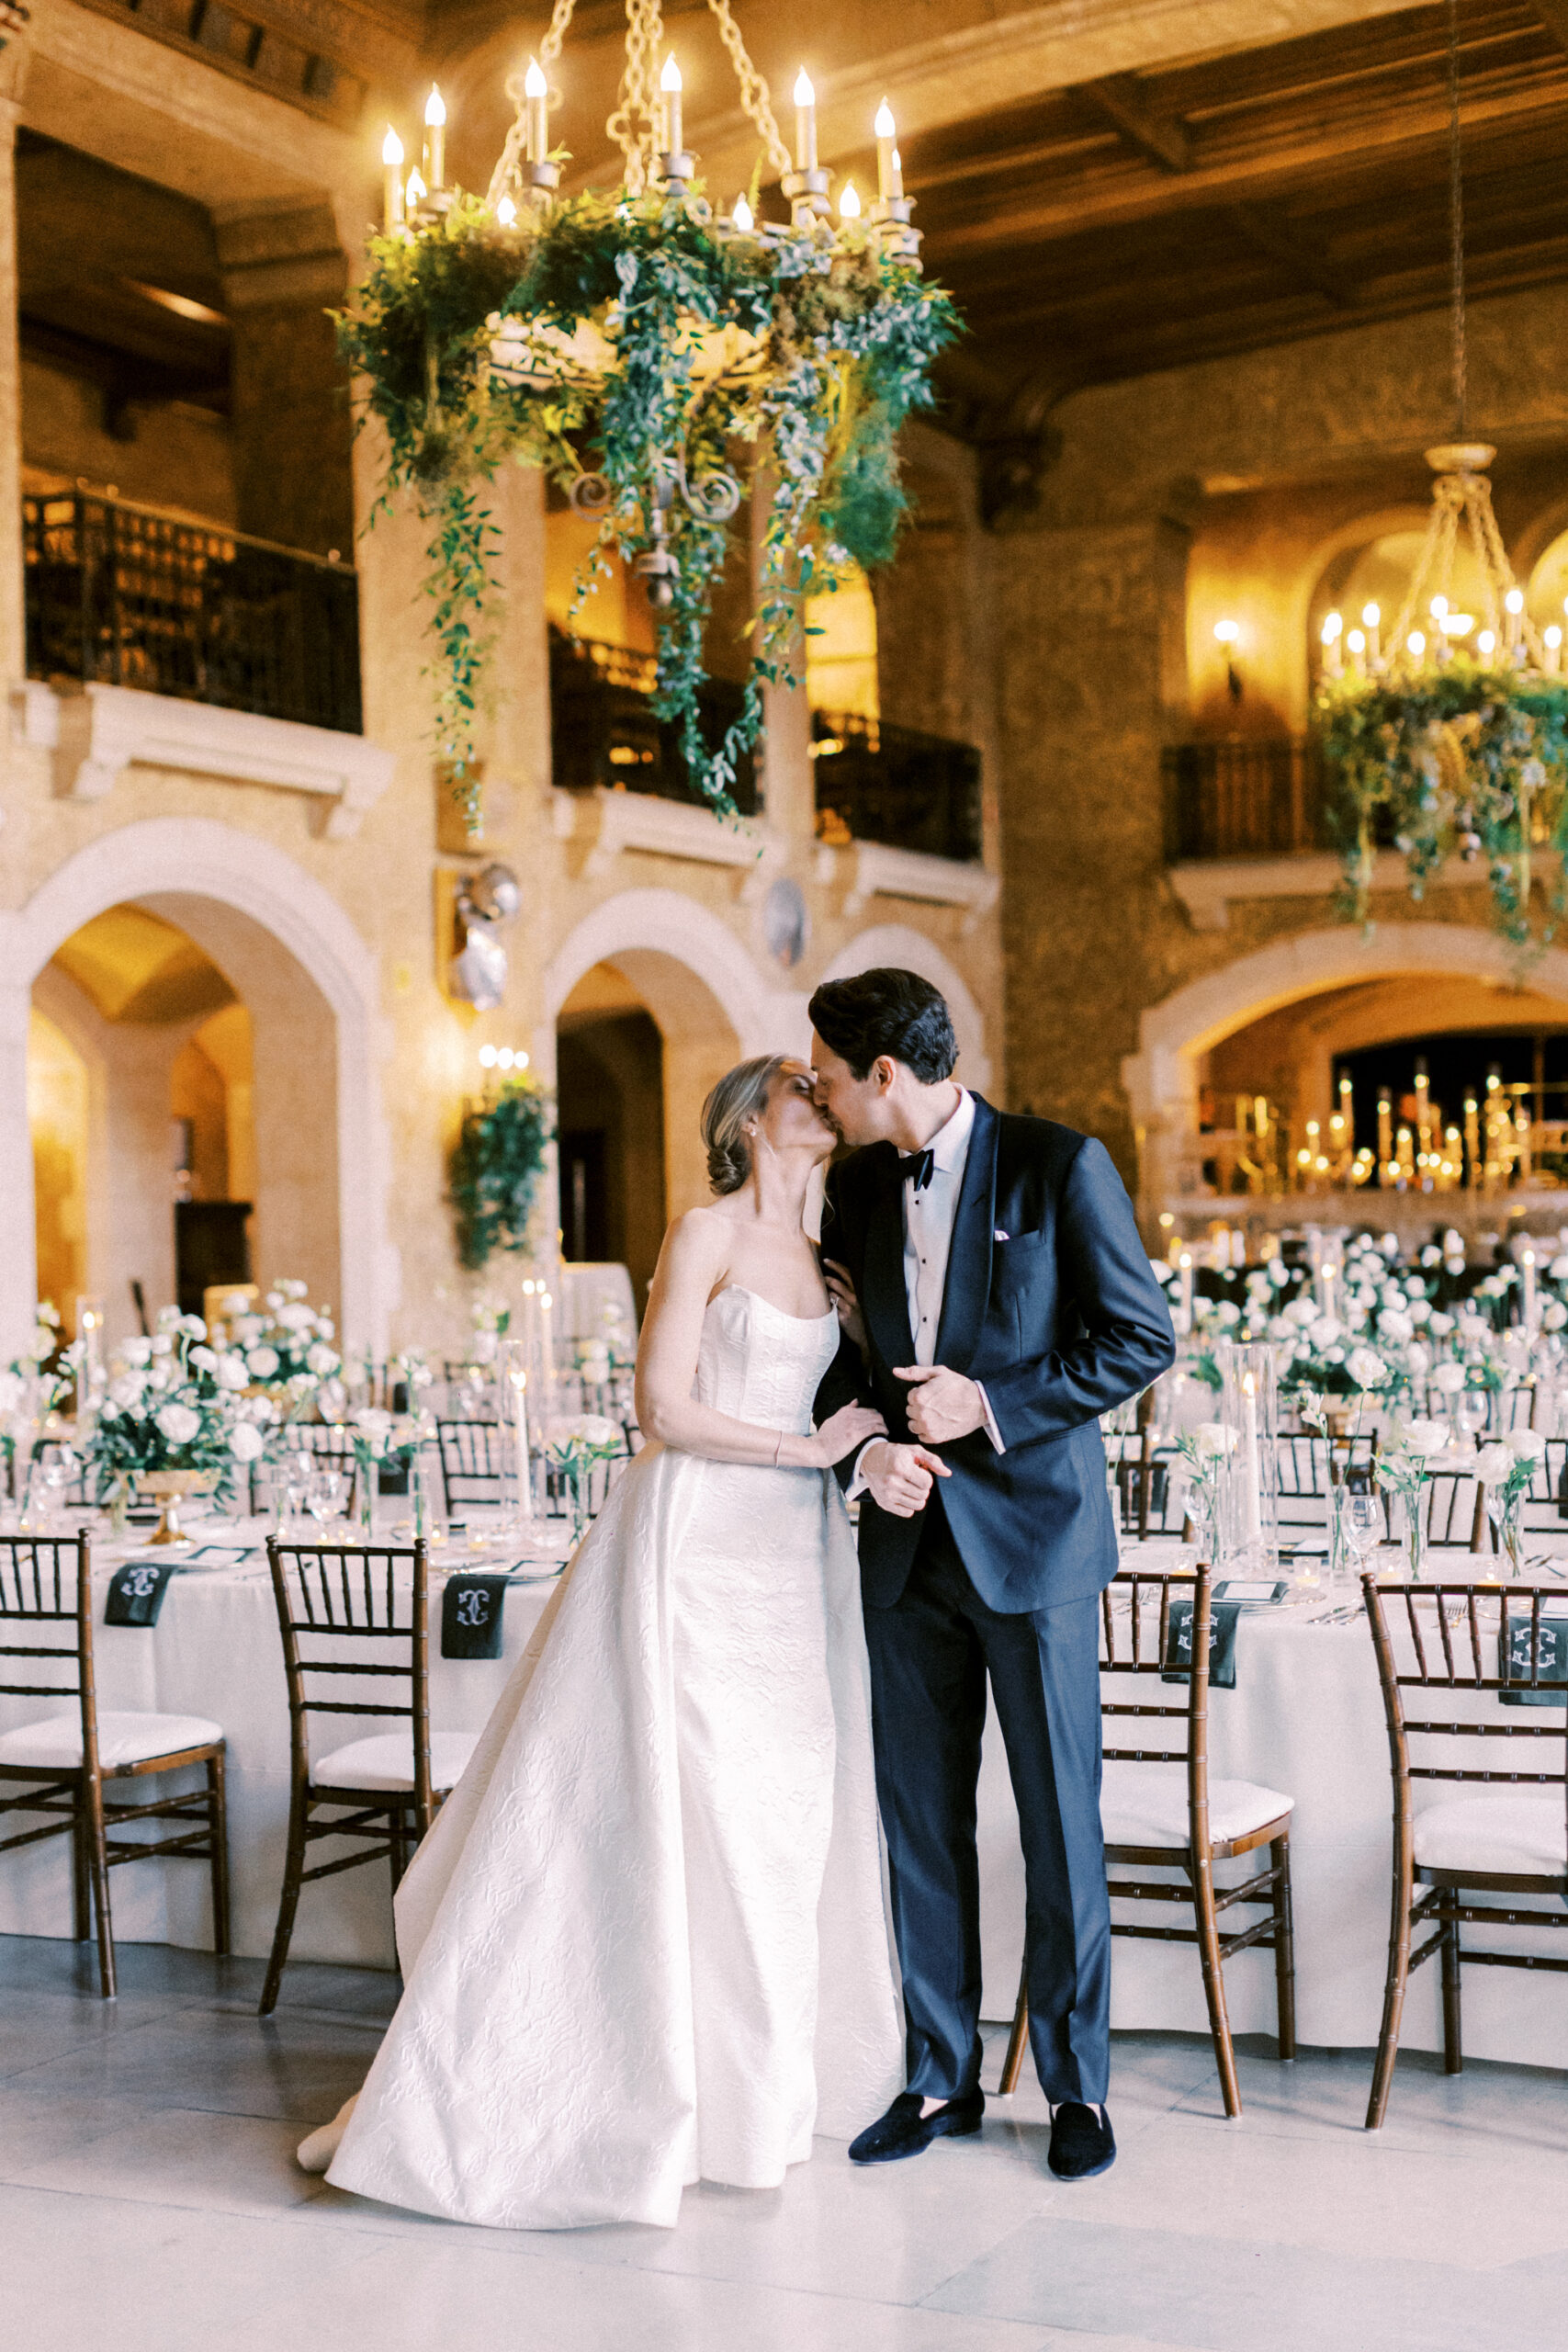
(644, 1940)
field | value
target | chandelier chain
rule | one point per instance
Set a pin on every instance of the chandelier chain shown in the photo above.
(503, 178)
(1456, 231)
(755, 95)
(633, 125)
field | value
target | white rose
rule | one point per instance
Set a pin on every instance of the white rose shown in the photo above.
(1416, 1359)
(192, 1325)
(1279, 1272)
(233, 1372)
(203, 1359)
(1558, 1270)
(1526, 1445)
(1396, 1327)
(126, 1390)
(294, 1317)
(179, 1423)
(1215, 1440)
(262, 1362)
(1325, 1332)
(162, 1345)
(1419, 1310)
(320, 1360)
(326, 1327)
(138, 1352)
(1554, 1316)
(245, 1441)
(1425, 1438)
(1228, 1311)
(1440, 1324)
(248, 1327)
(1367, 1370)
(1493, 1465)
(1303, 1309)
(1448, 1379)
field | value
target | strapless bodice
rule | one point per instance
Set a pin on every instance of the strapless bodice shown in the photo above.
(760, 1365)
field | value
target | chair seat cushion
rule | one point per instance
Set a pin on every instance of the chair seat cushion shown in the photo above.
(54, 1742)
(386, 1761)
(1518, 1834)
(1145, 1804)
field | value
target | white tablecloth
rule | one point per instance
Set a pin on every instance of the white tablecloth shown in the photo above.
(1306, 1717)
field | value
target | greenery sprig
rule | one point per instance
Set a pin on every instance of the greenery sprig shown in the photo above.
(495, 1170)
(650, 340)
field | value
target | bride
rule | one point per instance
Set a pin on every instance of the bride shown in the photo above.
(644, 1942)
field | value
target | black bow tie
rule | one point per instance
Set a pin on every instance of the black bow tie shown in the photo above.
(915, 1168)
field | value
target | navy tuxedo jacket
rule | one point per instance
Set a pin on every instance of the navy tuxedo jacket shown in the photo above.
(1061, 1320)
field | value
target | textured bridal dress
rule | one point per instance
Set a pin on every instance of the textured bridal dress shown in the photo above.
(644, 1944)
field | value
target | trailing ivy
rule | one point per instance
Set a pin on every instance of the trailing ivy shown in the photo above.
(1458, 759)
(495, 1169)
(611, 305)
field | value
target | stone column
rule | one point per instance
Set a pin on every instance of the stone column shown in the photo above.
(13, 626)
(788, 786)
(19, 1268)
(292, 430)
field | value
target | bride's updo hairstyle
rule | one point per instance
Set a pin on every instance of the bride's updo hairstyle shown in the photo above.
(741, 1094)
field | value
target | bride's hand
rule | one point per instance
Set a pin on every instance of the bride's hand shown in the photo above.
(846, 1430)
(842, 1291)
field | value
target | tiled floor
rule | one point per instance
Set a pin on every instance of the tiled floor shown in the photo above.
(148, 2202)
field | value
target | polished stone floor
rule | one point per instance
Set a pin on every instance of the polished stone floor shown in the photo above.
(148, 2202)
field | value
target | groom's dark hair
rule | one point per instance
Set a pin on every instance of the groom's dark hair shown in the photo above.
(887, 1012)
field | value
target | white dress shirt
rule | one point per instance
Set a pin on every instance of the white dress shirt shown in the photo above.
(929, 1216)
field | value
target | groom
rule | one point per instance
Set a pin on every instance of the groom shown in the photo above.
(1006, 1302)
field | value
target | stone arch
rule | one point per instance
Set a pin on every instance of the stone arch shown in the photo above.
(900, 944)
(251, 905)
(1161, 1077)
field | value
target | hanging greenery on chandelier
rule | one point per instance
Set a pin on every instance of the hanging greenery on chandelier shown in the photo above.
(1450, 734)
(650, 355)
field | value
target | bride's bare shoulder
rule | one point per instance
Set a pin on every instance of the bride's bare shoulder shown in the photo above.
(697, 1244)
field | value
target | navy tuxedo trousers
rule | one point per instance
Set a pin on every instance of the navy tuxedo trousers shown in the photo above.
(931, 1655)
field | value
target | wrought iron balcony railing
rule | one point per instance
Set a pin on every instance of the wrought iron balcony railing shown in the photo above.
(881, 783)
(604, 730)
(1245, 798)
(122, 595)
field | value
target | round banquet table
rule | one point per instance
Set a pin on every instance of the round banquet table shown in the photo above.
(1306, 1717)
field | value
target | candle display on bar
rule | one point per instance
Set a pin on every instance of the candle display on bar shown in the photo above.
(805, 122)
(436, 139)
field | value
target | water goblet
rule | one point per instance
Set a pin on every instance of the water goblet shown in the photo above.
(1362, 1524)
(1470, 1412)
(323, 1494)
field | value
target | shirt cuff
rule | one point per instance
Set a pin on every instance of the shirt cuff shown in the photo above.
(990, 1421)
(859, 1485)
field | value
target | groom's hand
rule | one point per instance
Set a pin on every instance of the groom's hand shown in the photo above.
(942, 1404)
(899, 1476)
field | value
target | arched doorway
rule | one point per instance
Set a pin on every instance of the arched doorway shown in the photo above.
(212, 940)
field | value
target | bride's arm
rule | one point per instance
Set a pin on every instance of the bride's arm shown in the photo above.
(691, 1267)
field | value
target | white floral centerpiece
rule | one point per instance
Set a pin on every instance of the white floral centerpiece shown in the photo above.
(175, 1410)
(1404, 1469)
(1506, 1469)
(287, 1350)
(573, 1442)
(1204, 1452)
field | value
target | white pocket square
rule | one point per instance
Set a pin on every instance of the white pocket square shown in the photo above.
(1000, 1236)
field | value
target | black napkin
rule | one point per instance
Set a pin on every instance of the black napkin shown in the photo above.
(136, 1592)
(1515, 1661)
(470, 1616)
(1223, 1617)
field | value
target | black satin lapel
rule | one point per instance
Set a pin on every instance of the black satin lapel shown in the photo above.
(887, 1301)
(968, 1282)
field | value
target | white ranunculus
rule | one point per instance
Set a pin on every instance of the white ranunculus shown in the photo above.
(1449, 1378)
(1367, 1370)
(245, 1441)
(326, 1327)
(1416, 1359)
(203, 1359)
(1279, 1272)
(1526, 1445)
(1396, 1327)
(1554, 1316)
(1325, 1332)
(1558, 1270)
(263, 1362)
(1419, 1311)
(1425, 1438)
(248, 1327)
(295, 1317)
(1440, 1324)
(1228, 1312)
(126, 1390)
(233, 1372)
(592, 1429)
(1493, 1465)
(192, 1327)
(1215, 1440)
(162, 1345)
(179, 1423)
(321, 1359)
(138, 1352)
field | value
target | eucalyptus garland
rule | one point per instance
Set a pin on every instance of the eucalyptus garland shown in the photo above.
(616, 302)
(495, 1170)
(1458, 759)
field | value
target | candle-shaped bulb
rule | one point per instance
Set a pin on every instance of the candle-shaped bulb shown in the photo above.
(897, 161)
(887, 131)
(669, 83)
(416, 190)
(670, 77)
(1438, 607)
(1370, 615)
(741, 216)
(849, 202)
(1416, 643)
(1486, 644)
(1333, 626)
(435, 138)
(391, 148)
(1515, 601)
(506, 212)
(393, 180)
(1356, 641)
(884, 126)
(1227, 632)
(805, 122)
(537, 92)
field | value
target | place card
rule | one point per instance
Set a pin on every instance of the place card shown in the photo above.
(1222, 1619)
(471, 1613)
(136, 1592)
(1261, 1589)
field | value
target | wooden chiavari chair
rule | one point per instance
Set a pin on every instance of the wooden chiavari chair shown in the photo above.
(1545, 1508)
(473, 1461)
(46, 1591)
(1150, 1821)
(1456, 1511)
(335, 1602)
(1492, 1645)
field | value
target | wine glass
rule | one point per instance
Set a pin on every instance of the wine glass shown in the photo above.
(324, 1494)
(295, 1472)
(1470, 1412)
(1361, 1522)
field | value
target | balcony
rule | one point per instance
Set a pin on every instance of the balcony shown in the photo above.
(881, 783)
(604, 733)
(120, 595)
(1241, 797)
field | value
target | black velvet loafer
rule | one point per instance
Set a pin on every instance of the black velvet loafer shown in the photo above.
(905, 2131)
(1082, 2141)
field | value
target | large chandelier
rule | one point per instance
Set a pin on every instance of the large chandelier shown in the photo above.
(654, 354)
(1449, 731)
